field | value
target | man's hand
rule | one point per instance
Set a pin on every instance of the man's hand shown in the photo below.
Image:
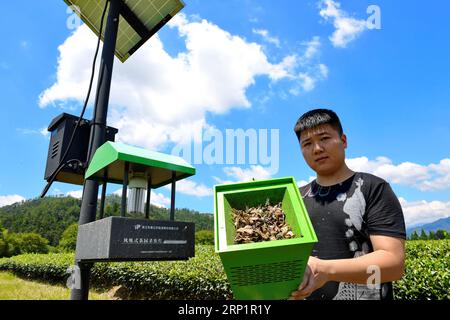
(313, 279)
(388, 256)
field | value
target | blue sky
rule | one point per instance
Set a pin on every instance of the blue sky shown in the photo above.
(247, 65)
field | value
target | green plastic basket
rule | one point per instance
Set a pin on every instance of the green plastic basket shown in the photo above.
(269, 270)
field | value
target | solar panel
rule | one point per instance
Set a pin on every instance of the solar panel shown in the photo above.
(139, 20)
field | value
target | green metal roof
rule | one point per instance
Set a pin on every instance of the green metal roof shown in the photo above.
(113, 156)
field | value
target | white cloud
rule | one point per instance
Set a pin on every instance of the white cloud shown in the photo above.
(422, 212)
(308, 83)
(313, 71)
(159, 200)
(156, 199)
(78, 194)
(118, 192)
(238, 174)
(312, 48)
(285, 69)
(267, 37)
(323, 69)
(308, 80)
(191, 188)
(241, 175)
(302, 183)
(157, 98)
(43, 131)
(347, 28)
(430, 177)
(442, 181)
(222, 181)
(10, 199)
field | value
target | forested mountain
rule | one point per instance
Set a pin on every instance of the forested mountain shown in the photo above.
(441, 224)
(50, 216)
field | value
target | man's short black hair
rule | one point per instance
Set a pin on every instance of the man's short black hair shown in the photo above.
(315, 118)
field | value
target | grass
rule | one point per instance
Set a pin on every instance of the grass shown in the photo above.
(14, 288)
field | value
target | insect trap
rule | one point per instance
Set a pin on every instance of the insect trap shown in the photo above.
(132, 236)
(137, 190)
(264, 237)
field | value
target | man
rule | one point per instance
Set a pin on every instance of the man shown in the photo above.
(357, 218)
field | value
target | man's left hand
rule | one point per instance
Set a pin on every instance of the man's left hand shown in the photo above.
(313, 279)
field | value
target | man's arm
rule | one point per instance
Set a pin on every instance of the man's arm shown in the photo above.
(388, 257)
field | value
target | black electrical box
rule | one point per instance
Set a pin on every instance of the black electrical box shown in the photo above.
(128, 239)
(61, 130)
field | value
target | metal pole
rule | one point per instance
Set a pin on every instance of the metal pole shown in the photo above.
(149, 190)
(172, 198)
(98, 136)
(123, 207)
(102, 199)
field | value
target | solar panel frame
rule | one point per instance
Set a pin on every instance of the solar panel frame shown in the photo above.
(129, 40)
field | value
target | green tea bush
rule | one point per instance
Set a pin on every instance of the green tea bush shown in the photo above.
(204, 237)
(427, 274)
(201, 277)
(47, 267)
(427, 271)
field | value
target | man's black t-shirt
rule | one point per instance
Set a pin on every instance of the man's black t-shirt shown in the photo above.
(344, 216)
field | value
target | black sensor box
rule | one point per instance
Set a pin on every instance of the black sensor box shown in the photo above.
(61, 129)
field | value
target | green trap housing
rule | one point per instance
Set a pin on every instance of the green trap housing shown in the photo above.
(128, 238)
(269, 270)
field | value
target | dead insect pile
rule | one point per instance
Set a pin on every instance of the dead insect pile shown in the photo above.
(262, 223)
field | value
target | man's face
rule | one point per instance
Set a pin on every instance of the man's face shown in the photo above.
(323, 149)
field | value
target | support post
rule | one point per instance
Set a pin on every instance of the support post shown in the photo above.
(102, 199)
(149, 191)
(123, 207)
(172, 198)
(98, 136)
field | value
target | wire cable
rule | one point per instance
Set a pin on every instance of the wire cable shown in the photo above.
(57, 172)
(62, 164)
